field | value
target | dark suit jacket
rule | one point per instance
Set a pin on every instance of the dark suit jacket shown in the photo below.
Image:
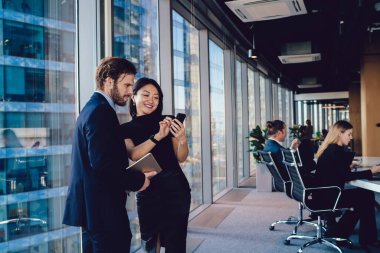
(96, 196)
(333, 167)
(275, 148)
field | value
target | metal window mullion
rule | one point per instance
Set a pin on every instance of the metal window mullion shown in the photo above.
(88, 23)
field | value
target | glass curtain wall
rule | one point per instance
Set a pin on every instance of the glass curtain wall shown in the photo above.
(187, 99)
(240, 136)
(288, 115)
(217, 109)
(280, 106)
(135, 34)
(37, 116)
(263, 115)
(135, 37)
(252, 114)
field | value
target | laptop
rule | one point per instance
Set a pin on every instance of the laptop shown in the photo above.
(376, 177)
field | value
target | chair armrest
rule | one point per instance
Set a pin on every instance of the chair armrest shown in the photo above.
(319, 199)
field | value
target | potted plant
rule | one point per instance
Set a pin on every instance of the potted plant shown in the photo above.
(257, 140)
(297, 131)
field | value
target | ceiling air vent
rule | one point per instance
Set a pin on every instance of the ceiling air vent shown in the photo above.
(299, 58)
(309, 82)
(258, 10)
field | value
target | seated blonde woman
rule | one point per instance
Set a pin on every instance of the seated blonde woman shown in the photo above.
(334, 169)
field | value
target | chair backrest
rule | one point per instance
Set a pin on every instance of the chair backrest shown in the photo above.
(298, 158)
(279, 182)
(290, 163)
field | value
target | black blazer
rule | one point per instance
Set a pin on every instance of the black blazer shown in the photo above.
(333, 168)
(96, 195)
(275, 148)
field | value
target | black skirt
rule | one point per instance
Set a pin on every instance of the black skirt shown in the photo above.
(163, 210)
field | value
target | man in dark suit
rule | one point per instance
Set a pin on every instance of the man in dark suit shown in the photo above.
(96, 195)
(277, 133)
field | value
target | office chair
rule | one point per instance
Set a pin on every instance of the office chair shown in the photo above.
(281, 185)
(314, 200)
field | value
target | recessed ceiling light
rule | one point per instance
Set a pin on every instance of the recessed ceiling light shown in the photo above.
(309, 86)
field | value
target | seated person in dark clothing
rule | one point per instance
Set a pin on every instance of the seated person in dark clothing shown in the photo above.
(306, 152)
(324, 134)
(334, 169)
(277, 134)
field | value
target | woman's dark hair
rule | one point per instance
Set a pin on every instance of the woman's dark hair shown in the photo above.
(113, 67)
(275, 126)
(138, 85)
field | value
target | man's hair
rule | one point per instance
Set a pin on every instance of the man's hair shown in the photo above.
(275, 126)
(113, 67)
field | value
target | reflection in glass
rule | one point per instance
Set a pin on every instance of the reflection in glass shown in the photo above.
(135, 37)
(288, 103)
(187, 99)
(135, 34)
(240, 136)
(37, 115)
(217, 109)
(279, 98)
(263, 115)
(251, 119)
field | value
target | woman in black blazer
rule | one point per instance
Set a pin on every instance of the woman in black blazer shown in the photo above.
(334, 169)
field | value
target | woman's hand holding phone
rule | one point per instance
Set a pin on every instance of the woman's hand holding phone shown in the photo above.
(177, 128)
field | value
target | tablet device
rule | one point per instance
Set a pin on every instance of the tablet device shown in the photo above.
(145, 164)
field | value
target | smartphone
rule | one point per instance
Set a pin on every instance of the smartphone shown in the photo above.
(181, 117)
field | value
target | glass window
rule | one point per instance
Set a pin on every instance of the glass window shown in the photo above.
(288, 117)
(240, 136)
(37, 116)
(187, 99)
(263, 116)
(252, 114)
(279, 99)
(135, 37)
(217, 108)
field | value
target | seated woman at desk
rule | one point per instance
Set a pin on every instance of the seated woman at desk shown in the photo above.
(334, 169)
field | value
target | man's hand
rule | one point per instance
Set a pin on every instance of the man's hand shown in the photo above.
(148, 176)
(295, 143)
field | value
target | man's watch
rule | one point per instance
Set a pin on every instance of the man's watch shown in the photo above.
(153, 139)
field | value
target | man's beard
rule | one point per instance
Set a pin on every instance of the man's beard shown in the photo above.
(116, 98)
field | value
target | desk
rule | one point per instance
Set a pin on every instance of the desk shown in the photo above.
(363, 183)
(366, 184)
(367, 160)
